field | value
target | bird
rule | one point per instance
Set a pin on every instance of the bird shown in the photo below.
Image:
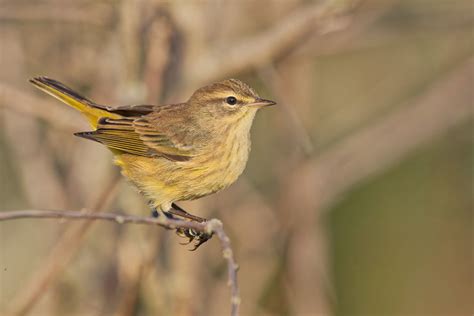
(173, 152)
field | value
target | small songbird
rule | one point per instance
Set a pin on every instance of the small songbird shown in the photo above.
(174, 152)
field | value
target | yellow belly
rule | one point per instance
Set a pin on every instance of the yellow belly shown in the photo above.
(164, 181)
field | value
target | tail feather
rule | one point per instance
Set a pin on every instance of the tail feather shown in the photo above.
(91, 110)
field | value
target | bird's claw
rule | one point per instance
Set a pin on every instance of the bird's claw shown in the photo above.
(192, 235)
(198, 237)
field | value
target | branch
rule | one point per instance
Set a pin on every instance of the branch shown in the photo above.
(213, 226)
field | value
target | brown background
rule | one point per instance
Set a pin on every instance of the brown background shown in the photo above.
(357, 198)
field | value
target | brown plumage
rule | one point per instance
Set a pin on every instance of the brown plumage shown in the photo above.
(178, 151)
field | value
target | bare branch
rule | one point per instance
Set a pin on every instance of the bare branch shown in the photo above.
(216, 227)
(213, 226)
(120, 219)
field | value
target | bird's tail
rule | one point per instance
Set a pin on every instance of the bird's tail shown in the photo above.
(91, 110)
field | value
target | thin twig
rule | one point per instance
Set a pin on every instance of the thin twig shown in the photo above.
(216, 227)
(120, 219)
(212, 226)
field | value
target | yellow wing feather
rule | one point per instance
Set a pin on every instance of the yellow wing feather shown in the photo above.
(93, 112)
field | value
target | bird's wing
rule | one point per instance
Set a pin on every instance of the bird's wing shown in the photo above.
(137, 136)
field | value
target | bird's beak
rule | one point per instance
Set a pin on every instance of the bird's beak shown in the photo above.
(260, 103)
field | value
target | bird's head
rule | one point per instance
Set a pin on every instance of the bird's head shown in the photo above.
(229, 100)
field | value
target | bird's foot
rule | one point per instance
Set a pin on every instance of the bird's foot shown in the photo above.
(193, 236)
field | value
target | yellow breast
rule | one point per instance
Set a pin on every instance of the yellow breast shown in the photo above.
(216, 167)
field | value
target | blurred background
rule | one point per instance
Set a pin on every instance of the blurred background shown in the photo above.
(357, 198)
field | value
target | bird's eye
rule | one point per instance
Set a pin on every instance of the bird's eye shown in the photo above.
(231, 100)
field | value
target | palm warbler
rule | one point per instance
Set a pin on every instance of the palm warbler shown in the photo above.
(174, 152)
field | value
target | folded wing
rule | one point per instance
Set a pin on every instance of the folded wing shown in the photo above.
(137, 136)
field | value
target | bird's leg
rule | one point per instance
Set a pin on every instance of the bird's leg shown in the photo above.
(178, 211)
(175, 210)
(155, 214)
(191, 234)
